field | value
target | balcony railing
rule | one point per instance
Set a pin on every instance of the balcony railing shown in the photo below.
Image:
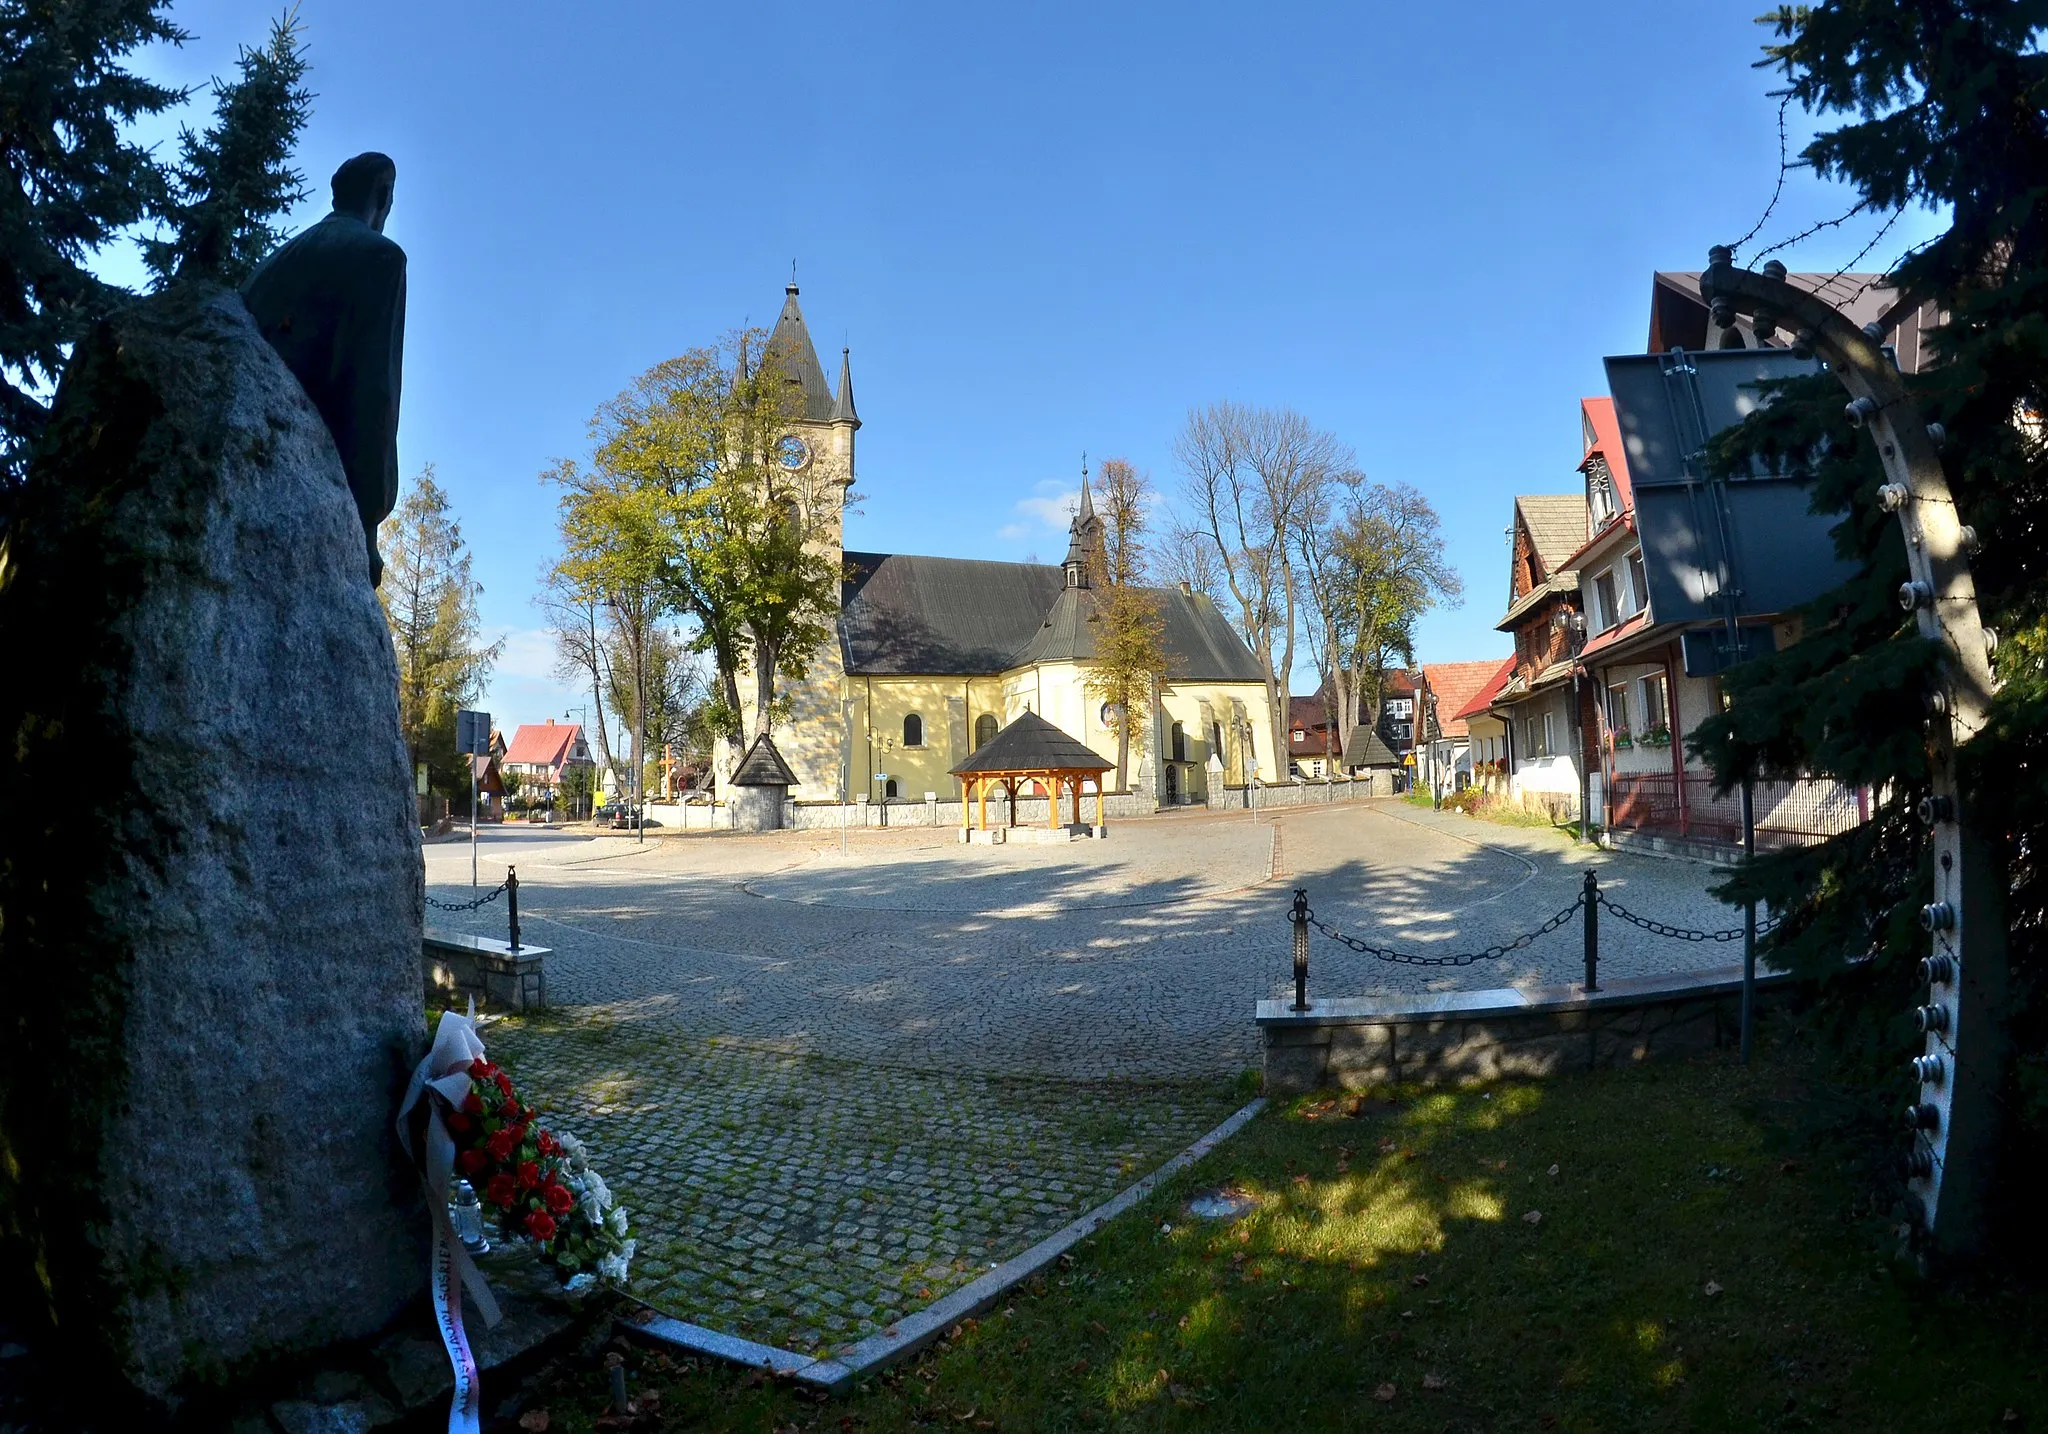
(1799, 813)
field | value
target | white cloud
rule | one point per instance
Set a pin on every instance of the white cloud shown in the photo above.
(529, 653)
(1048, 510)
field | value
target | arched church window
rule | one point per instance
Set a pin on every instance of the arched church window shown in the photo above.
(984, 729)
(1216, 738)
(1180, 743)
(889, 788)
(913, 731)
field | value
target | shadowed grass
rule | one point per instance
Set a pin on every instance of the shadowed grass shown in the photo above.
(1651, 1249)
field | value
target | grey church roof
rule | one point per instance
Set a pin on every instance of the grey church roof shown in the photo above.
(904, 615)
(842, 406)
(791, 345)
(1032, 744)
(1200, 643)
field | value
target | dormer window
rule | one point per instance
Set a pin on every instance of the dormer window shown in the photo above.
(1599, 491)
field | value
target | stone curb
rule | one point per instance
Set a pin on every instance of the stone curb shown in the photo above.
(913, 1332)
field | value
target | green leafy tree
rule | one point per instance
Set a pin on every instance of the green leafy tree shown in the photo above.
(578, 787)
(1372, 569)
(1130, 632)
(429, 601)
(683, 494)
(1944, 104)
(72, 180)
(232, 181)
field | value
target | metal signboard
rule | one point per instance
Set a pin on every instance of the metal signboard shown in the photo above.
(473, 733)
(1717, 549)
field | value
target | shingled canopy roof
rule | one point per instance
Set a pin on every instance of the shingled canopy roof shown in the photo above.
(1366, 749)
(1030, 749)
(763, 767)
(1030, 744)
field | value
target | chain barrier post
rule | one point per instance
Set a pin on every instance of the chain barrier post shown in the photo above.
(1592, 903)
(512, 902)
(1300, 949)
(1748, 923)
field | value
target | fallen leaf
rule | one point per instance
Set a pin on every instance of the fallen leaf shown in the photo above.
(534, 1421)
(1098, 1326)
(1534, 1217)
(1712, 1289)
(1433, 1380)
(1553, 1170)
(1419, 1281)
(1385, 1393)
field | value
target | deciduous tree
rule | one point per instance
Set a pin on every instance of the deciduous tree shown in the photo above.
(1371, 571)
(1130, 647)
(1252, 479)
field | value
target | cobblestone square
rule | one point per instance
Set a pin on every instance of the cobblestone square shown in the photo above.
(833, 1083)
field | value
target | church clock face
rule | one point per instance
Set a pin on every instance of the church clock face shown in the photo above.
(792, 452)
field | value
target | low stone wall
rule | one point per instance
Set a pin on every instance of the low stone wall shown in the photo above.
(1463, 1036)
(457, 967)
(1118, 806)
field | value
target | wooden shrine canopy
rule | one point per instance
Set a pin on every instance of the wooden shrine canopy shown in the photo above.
(1030, 749)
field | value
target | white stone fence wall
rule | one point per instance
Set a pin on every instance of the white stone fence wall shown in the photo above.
(944, 811)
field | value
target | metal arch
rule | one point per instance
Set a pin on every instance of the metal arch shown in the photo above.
(1966, 912)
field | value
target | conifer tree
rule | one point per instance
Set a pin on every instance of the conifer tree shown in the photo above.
(429, 601)
(1945, 104)
(234, 179)
(71, 181)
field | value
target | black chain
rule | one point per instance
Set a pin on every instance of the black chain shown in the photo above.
(1495, 952)
(1686, 933)
(470, 905)
(1465, 958)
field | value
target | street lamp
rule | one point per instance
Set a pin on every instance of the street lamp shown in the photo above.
(1572, 626)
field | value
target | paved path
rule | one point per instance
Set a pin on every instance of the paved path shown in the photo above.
(835, 1082)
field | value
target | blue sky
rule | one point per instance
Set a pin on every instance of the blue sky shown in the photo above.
(1042, 230)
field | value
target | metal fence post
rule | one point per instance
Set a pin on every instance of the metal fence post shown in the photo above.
(1592, 900)
(1748, 922)
(512, 902)
(1300, 949)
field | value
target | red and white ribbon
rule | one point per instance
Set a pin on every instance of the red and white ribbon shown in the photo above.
(445, 1072)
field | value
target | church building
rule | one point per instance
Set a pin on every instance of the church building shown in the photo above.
(936, 655)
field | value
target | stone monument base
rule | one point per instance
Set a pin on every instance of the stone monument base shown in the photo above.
(209, 876)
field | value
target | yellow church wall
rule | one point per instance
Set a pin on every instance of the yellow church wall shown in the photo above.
(1227, 703)
(946, 706)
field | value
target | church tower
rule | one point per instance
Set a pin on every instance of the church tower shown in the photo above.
(816, 458)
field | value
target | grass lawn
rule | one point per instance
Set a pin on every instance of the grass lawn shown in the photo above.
(1650, 1249)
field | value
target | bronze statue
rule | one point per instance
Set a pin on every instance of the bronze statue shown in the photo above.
(332, 303)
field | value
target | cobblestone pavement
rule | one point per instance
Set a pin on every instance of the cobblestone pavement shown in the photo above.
(835, 1083)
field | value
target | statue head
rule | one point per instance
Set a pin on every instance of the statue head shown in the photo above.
(362, 188)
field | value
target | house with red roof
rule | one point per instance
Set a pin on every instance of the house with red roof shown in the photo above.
(1443, 749)
(539, 754)
(1488, 731)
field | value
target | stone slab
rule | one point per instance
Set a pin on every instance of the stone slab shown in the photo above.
(915, 1331)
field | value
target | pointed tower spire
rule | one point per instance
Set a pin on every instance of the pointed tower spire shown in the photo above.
(1087, 513)
(842, 406)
